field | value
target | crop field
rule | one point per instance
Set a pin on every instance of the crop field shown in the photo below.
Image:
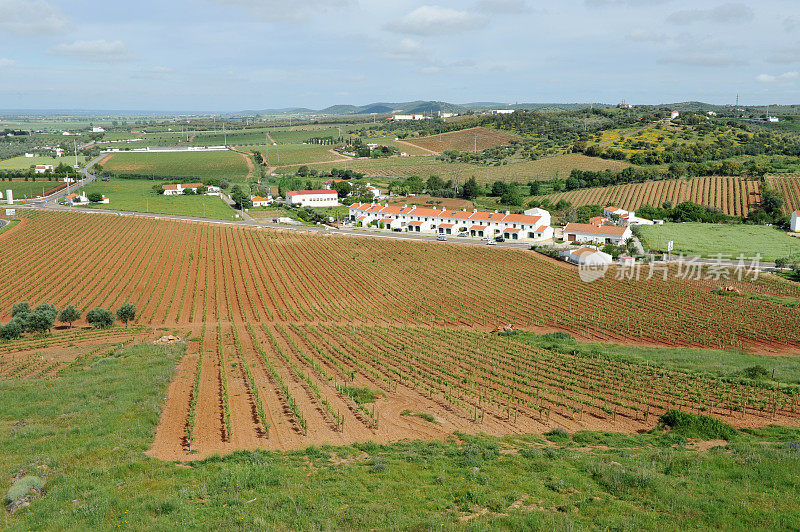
(297, 154)
(137, 195)
(28, 189)
(463, 140)
(735, 196)
(302, 134)
(731, 241)
(225, 164)
(789, 189)
(24, 163)
(192, 273)
(285, 349)
(522, 172)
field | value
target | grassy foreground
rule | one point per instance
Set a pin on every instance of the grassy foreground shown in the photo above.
(711, 240)
(86, 433)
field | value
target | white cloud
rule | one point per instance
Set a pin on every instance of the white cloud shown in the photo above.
(99, 51)
(786, 77)
(732, 12)
(283, 11)
(503, 6)
(26, 17)
(5, 62)
(436, 20)
(406, 50)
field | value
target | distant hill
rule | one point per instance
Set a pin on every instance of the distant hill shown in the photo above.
(422, 106)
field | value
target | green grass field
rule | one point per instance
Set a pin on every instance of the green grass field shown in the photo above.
(28, 189)
(86, 433)
(224, 164)
(710, 240)
(295, 154)
(24, 163)
(521, 172)
(136, 195)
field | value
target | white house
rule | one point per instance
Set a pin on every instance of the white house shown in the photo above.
(313, 198)
(59, 152)
(213, 191)
(502, 111)
(623, 217)
(260, 201)
(29, 155)
(598, 234)
(474, 224)
(177, 190)
(795, 223)
(586, 255)
(401, 118)
(98, 129)
(43, 168)
(541, 213)
(673, 115)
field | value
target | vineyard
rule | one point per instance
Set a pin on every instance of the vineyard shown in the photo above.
(463, 140)
(735, 196)
(281, 386)
(297, 338)
(789, 189)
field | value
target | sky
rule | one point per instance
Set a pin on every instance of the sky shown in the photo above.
(233, 55)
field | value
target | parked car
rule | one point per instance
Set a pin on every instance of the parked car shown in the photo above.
(441, 238)
(485, 239)
(500, 239)
(463, 234)
(490, 242)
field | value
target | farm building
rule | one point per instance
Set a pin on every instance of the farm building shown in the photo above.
(405, 118)
(599, 234)
(81, 199)
(260, 201)
(313, 198)
(623, 217)
(177, 190)
(673, 115)
(502, 111)
(795, 223)
(43, 168)
(447, 222)
(98, 129)
(586, 255)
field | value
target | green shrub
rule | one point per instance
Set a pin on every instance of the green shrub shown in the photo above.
(23, 487)
(697, 426)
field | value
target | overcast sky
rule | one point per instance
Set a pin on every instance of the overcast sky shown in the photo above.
(229, 55)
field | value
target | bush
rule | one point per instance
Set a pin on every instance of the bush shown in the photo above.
(100, 318)
(23, 487)
(755, 372)
(69, 314)
(20, 308)
(126, 313)
(697, 426)
(11, 330)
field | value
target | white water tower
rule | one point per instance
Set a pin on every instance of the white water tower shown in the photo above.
(9, 197)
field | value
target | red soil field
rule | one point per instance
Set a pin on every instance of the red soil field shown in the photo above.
(281, 326)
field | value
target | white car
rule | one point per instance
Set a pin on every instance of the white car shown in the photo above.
(441, 238)
(490, 242)
(485, 239)
(463, 234)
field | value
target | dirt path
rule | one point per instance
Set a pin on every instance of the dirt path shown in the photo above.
(271, 139)
(411, 145)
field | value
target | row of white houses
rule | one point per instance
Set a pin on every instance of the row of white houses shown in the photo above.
(531, 226)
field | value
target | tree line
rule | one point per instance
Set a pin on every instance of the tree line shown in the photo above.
(42, 318)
